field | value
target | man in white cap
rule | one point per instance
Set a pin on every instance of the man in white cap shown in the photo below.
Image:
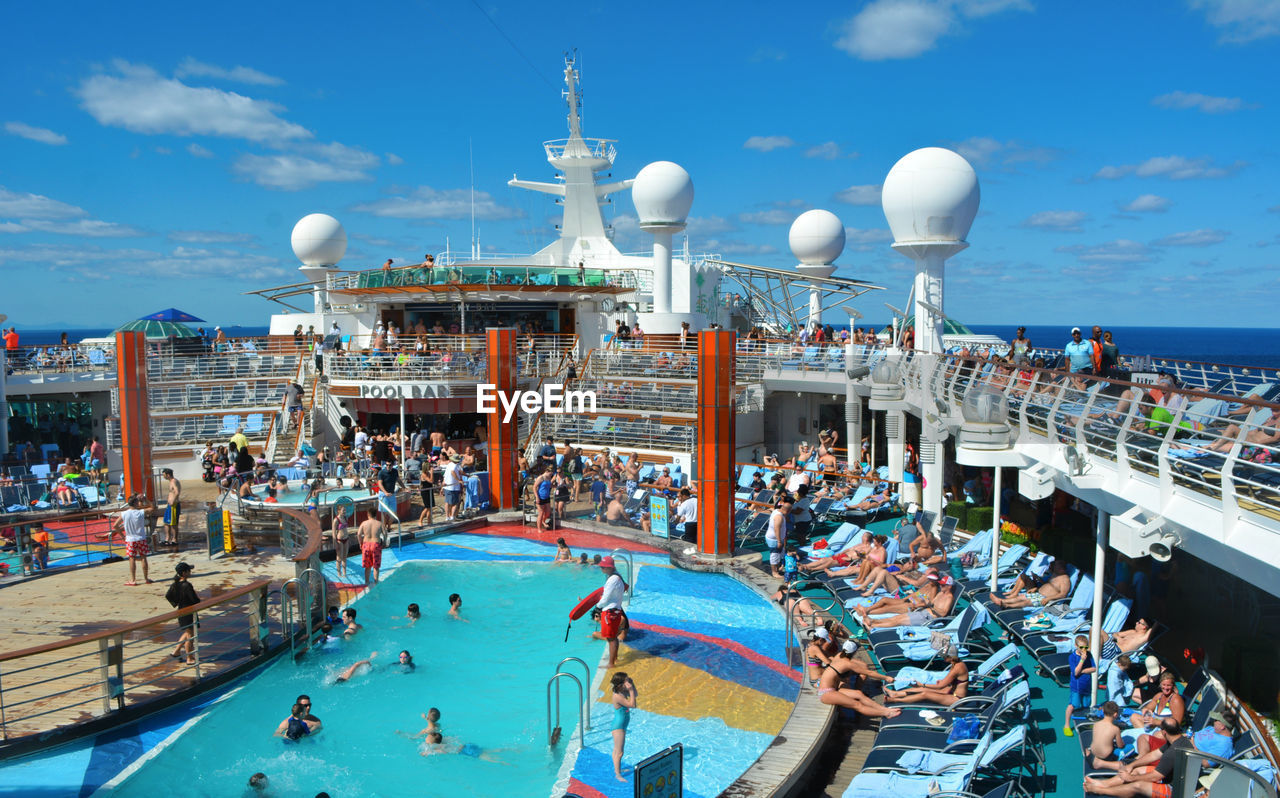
(1079, 353)
(610, 604)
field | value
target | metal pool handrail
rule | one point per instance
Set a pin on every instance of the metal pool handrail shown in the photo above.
(792, 631)
(126, 661)
(630, 592)
(582, 720)
(586, 707)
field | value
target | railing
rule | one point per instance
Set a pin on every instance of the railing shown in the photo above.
(581, 147)
(1224, 448)
(76, 360)
(495, 276)
(619, 432)
(264, 393)
(74, 541)
(450, 367)
(197, 430)
(63, 683)
(278, 362)
(754, 359)
(658, 396)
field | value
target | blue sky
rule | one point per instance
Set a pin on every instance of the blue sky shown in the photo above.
(160, 155)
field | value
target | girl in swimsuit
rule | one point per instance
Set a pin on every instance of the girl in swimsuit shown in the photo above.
(624, 700)
(946, 691)
(563, 553)
(815, 654)
(831, 692)
(875, 558)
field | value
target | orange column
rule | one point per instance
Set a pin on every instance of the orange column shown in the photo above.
(716, 441)
(135, 412)
(504, 444)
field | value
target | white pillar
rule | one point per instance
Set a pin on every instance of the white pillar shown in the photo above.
(995, 535)
(661, 270)
(931, 455)
(895, 422)
(815, 306)
(852, 414)
(403, 442)
(928, 286)
(1101, 527)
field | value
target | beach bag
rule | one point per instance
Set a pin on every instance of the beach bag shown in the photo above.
(964, 727)
(968, 559)
(939, 641)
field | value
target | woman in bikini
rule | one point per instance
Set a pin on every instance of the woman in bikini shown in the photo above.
(946, 691)
(831, 691)
(847, 556)
(816, 656)
(874, 559)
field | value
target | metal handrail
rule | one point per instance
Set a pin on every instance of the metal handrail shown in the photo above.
(582, 721)
(586, 670)
(630, 592)
(791, 631)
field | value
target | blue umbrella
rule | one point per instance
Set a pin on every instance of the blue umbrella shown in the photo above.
(170, 314)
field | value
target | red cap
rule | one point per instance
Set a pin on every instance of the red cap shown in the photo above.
(607, 562)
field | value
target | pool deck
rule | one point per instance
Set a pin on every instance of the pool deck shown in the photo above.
(78, 602)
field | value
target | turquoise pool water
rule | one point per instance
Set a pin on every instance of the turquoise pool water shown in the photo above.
(294, 496)
(487, 676)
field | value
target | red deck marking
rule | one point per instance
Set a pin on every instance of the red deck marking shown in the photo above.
(584, 790)
(735, 647)
(574, 537)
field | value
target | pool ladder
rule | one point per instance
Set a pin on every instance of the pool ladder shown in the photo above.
(584, 708)
(631, 572)
(795, 656)
(303, 582)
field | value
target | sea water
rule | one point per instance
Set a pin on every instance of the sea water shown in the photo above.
(486, 674)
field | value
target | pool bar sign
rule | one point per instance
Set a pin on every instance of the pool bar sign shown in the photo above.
(553, 399)
(661, 775)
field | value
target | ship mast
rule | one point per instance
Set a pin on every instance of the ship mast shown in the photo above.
(582, 231)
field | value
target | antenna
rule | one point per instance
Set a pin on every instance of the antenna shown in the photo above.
(932, 308)
(472, 159)
(854, 314)
(894, 310)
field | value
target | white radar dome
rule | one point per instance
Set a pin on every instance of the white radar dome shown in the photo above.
(816, 237)
(319, 240)
(930, 195)
(662, 194)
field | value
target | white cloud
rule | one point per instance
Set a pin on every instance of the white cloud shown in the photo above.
(768, 143)
(327, 163)
(163, 151)
(240, 74)
(1184, 100)
(139, 99)
(1192, 238)
(709, 225)
(40, 134)
(198, 151)
(209, 237)
(987, 151)
(768, 54)
(827, 150)
(738, 247)
(889, 29)
(1109, 253)
(1147, 203)
(393, 159)
(426, 202)
(1060, 221)
(865, 240)
(1173, 167)
(1241, 21)
(92, 262)
(90, 228)
(35, 206)
(860, 195)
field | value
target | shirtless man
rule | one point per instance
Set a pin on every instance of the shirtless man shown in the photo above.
(916, 601)
(349, 618)
(437, 442)
(173, 512)
(664, 482)
(616, 514)
(370, 534)
(1058, 586)
(939, 607)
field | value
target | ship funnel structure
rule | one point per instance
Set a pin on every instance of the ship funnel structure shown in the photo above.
(816, 239)
(930, 199)
(319, 241)
(663, 195)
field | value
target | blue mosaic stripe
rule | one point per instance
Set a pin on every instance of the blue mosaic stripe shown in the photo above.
(765, 642)
(718, 661)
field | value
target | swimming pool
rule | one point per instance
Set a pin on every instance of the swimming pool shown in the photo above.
(487, 676)
(294, 495)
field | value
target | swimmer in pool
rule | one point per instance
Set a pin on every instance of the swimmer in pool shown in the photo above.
(405, 665)
(563, 554)
(349, 619)
(296, 726)
(455, 607)
(432, 717)
(435, 744)
(412, 614)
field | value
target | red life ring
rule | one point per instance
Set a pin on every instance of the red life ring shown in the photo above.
(586, 604)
